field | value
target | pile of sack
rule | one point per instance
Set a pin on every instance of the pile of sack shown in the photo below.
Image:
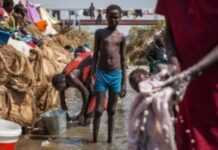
(140, 43)
(31, 53)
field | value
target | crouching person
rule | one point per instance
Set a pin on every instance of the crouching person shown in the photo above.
(76, 74)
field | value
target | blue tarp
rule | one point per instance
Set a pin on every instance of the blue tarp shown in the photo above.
(4, 37)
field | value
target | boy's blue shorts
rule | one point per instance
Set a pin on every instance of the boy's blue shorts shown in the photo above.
(108, 80)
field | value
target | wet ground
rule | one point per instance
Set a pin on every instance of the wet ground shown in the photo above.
(79, 138)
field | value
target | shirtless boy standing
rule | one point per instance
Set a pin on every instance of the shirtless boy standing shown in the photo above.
(109, 68)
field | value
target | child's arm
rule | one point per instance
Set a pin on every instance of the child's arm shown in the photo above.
(63, 103)
(123, 66)
(96, 51)
(62, 100)
(75, 82)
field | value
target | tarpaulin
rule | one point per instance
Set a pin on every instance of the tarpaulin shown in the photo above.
(45, 16)
(41, 25)
(32, 13)
(20, 46)
(4, 36)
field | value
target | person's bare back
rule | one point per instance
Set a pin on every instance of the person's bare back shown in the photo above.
(109, 42)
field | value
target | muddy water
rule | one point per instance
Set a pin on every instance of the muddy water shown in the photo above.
(79, 138)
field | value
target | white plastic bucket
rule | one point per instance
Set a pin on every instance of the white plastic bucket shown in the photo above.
(9, 134)
(55, 121)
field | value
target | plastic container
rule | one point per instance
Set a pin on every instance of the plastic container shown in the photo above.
(4, 37)
(9, 134)
(55, 121)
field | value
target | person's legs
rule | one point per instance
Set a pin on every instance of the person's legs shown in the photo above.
(77, 83)
(113, 97)
(89, 114)
(100, 96)
(114, 90)
(82, 114)
(100, 89)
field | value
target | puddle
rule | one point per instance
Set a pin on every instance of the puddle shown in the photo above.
(79, 138)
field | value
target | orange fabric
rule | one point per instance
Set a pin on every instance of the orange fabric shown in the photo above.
(72, 66)
(41, 25)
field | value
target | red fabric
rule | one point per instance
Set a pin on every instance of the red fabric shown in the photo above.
(31, 44)
(2, 12)
(86, 72)
(194, 26)
(74, 64)
(92, 104)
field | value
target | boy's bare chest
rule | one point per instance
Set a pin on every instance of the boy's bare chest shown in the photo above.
(114, 39)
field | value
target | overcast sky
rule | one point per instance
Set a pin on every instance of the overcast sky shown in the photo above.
(143, 4)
